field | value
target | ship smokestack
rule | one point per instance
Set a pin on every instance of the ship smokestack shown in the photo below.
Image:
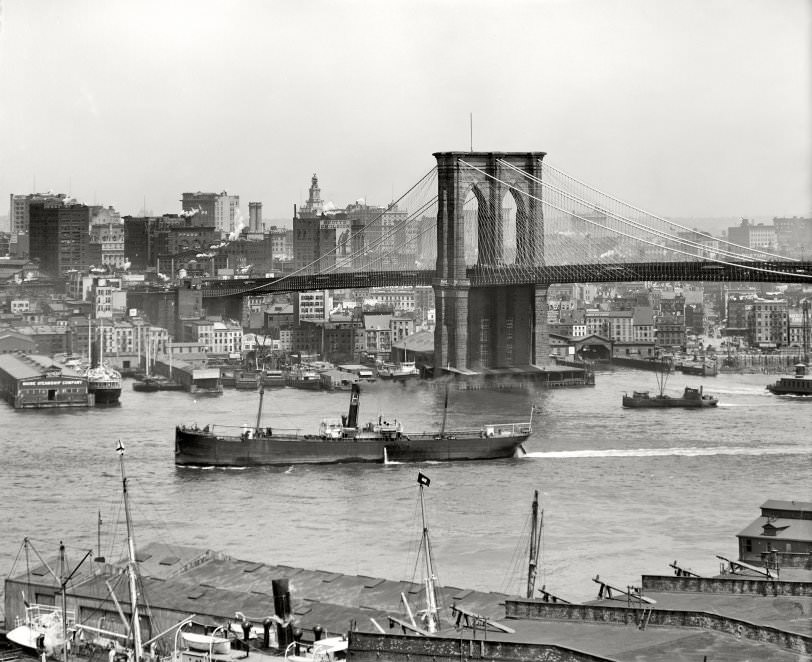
(351, 421)
(281, 607)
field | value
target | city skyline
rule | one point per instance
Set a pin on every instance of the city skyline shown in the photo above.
(704, 106)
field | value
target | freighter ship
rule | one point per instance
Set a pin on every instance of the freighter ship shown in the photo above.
(343, 440)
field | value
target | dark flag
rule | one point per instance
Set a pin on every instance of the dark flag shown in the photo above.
(423, 479)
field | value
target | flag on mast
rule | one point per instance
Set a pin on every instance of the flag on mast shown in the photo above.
(423, 479)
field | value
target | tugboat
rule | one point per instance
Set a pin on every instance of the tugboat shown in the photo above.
(798, 384)
(692, 398)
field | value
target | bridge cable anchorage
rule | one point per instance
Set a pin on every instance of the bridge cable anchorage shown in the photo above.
(546, 166)
(664, 250)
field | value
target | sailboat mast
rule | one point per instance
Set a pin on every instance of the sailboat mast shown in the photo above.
(131, 567)
(431, 596)
(535, 548)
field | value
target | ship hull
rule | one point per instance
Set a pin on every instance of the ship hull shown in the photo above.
(780, 389)
(657, 403)
(106, 395)
(205, 449)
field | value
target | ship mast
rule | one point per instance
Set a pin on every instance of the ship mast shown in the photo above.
(535, 548)
(131, 565)
(442, 427)
(259, 409)
(432, 617)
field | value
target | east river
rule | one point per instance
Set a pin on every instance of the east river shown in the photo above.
(624, 492)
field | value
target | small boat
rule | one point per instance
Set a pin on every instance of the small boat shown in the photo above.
(273, 378)
(692, 398)
(344, 440)
(399, 372)
(246, 380)
(41, 629)
(210, 643)
(798, 384)
(156, 383)
(304, 377)
(322, 650)
(698, 367)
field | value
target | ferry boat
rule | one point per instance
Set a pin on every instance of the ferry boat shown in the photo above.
(798, 384)
(104, 383)
(343, 440)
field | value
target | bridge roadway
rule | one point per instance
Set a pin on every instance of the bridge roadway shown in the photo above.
(482, 276)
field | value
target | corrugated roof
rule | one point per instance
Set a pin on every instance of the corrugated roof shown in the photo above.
(25, 366)
(778, 504)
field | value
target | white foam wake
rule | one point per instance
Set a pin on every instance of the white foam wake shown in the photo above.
(663, 452)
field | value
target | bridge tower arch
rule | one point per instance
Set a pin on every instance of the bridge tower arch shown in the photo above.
(494, 326)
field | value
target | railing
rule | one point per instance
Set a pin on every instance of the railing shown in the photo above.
(484, 431)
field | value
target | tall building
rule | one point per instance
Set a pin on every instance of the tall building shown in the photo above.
(110, 239)
(221, 209)
(374, 231)
(255, 217)
(314, 207)
(60, 236)
(751, 235)
(19, 208)
(768, 323)
(313, 241)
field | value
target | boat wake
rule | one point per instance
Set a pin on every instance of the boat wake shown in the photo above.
(665, 452)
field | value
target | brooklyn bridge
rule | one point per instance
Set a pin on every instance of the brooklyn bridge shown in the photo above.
(490, 232)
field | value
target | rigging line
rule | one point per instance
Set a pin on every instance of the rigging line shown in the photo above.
(637, 224)
(544, 202)
(623, 219)
(633, 223)
(382, 257)
(545, 164)
(378, 241)
(390, 233)
(307, 266)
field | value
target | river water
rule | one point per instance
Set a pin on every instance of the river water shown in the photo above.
(624, 492)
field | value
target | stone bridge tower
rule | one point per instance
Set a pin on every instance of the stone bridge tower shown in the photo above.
(495, 326)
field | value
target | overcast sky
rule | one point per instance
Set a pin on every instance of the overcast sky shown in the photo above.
(686, 108)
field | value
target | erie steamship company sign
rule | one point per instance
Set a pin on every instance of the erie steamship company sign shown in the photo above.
(58, 382)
